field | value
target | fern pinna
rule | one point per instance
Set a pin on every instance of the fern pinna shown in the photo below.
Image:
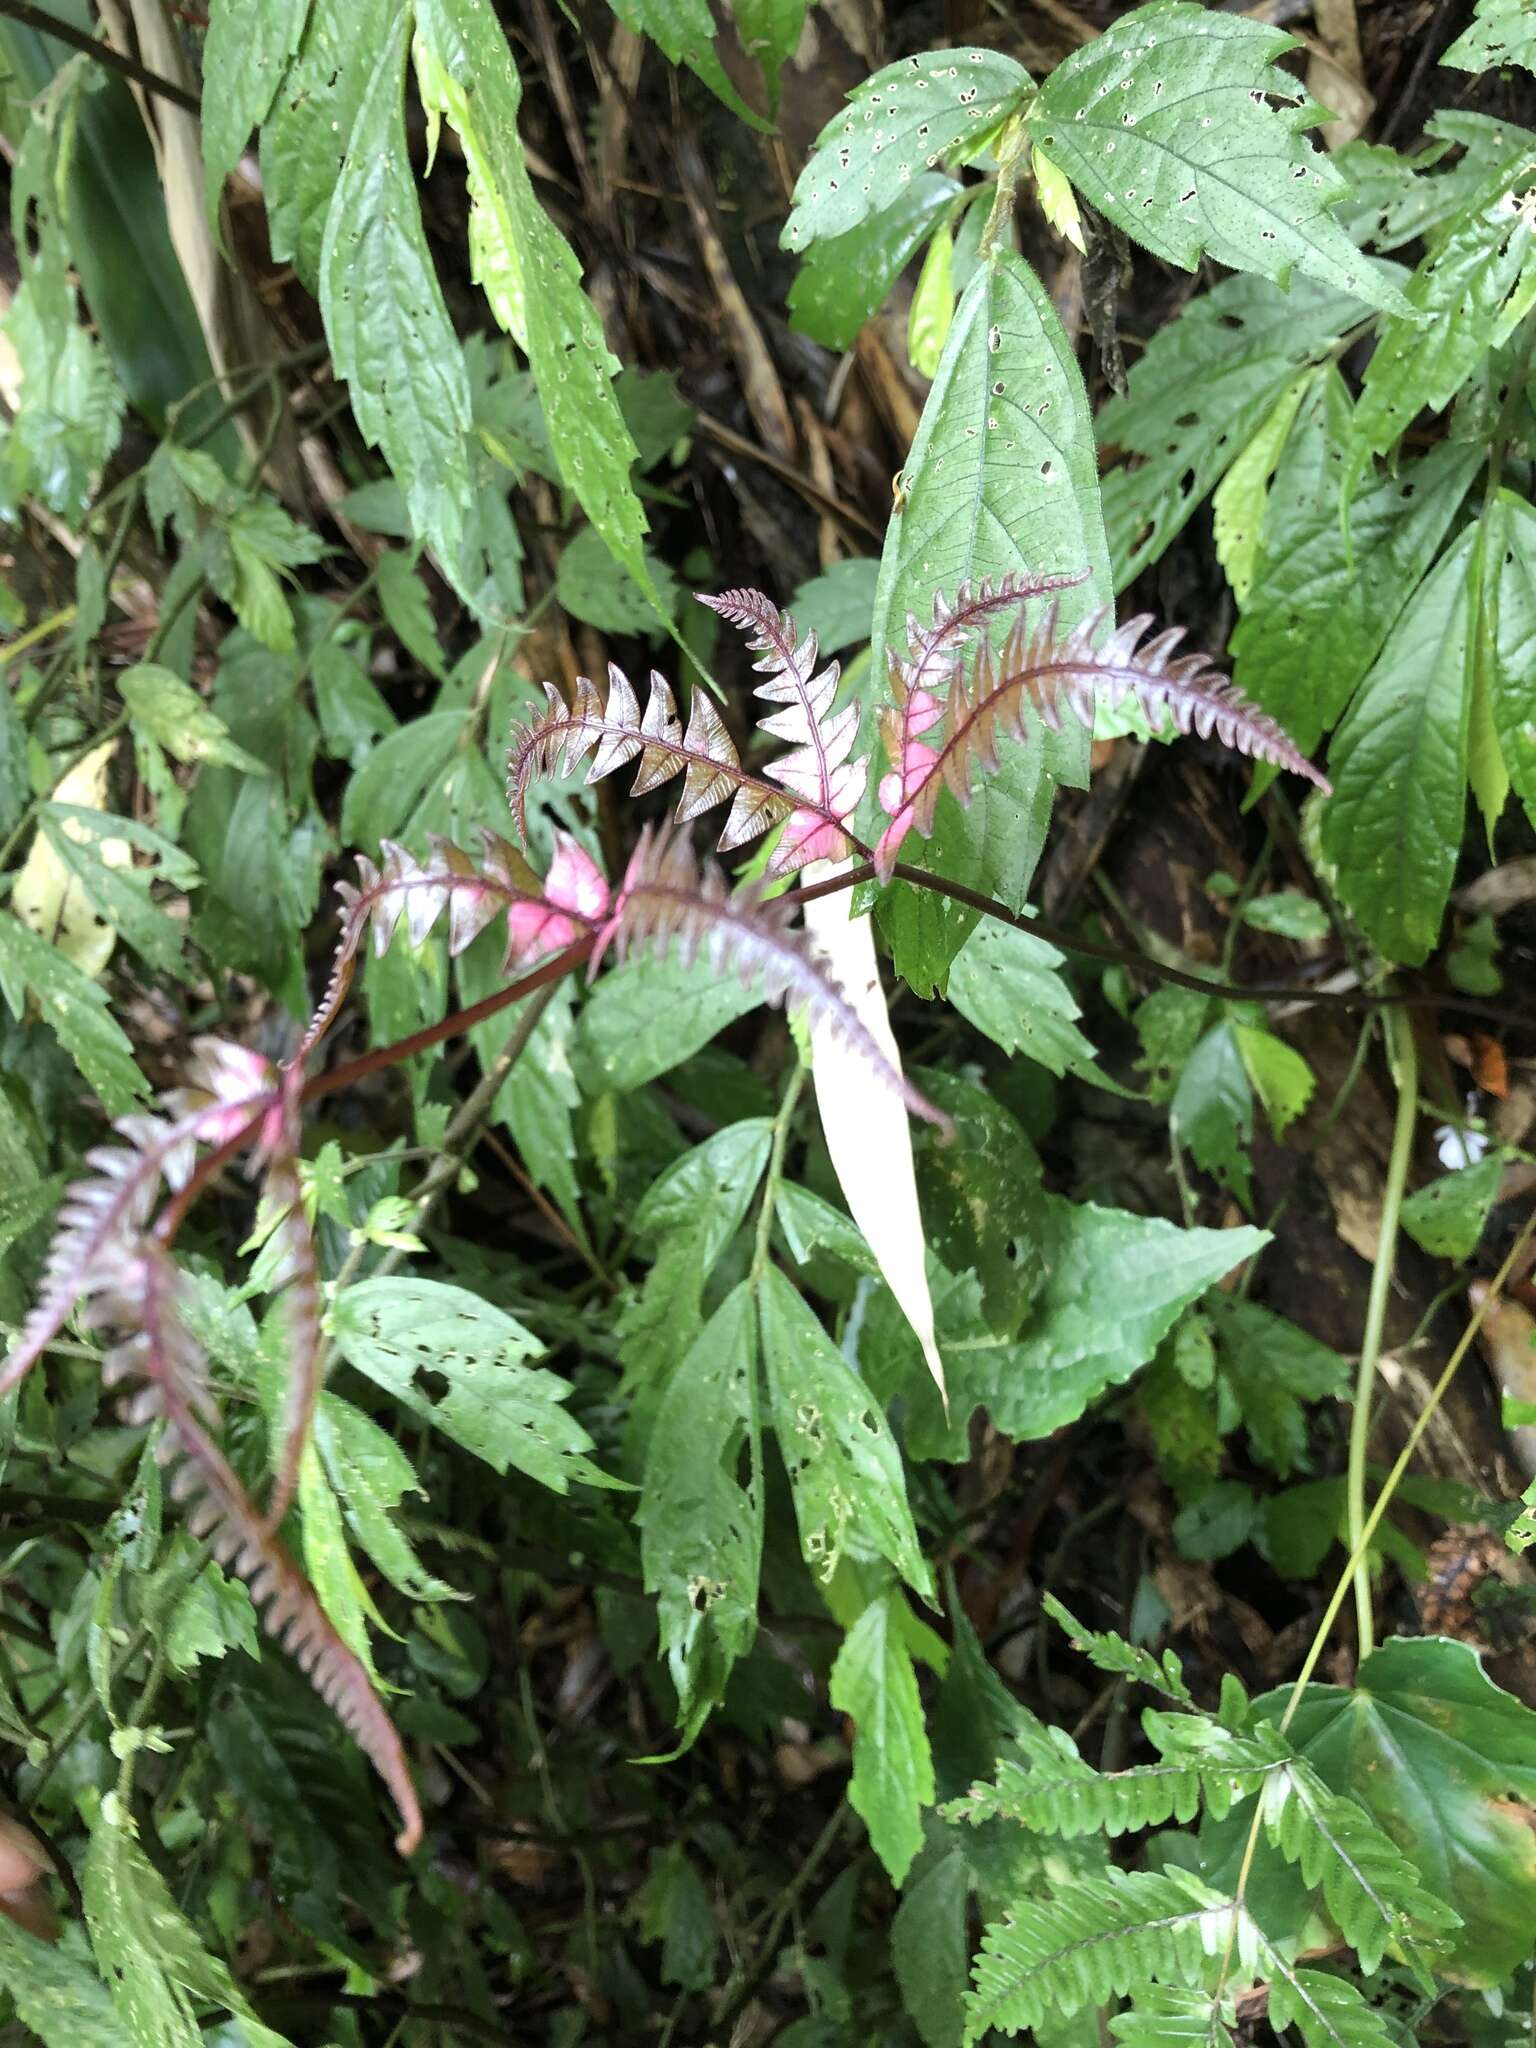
(953, 698)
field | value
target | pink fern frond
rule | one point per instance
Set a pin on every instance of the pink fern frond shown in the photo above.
(1046, 671)
(158, 1351)
(228, 1091)
(666, 900)
(299, 1279)
(473, 894)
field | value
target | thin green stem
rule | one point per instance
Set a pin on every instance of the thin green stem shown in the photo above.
(1403, 1057)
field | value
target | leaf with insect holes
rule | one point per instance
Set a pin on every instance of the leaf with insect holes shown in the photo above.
(844, 280)
(245, 54)
(309, 128)
(1166, 123)
(1501, 32)
(915, 115)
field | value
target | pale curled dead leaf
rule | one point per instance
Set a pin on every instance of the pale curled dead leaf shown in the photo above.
(864, 1121)
(48, 897)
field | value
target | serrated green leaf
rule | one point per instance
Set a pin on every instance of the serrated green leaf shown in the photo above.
(1465, 298)
(770, 32)
(1281, 1078)
(1001, 478)
(309, 129)
(874, 1683)
(600, 591)
(407, 611)
(1197, 394)
(930, 1947)
(466, 72)
(684, 32)
(496, 1404)
(1447, 1217)
(1317, 620)
(1007, 984)
(844, 1468)
(1502, 32)
(538, 1100)
(650, 1014)
(1212, 1110)
(843, 280)
(370, 1475)
(84, 841)
(981, 1197)
(1238, 506)
(701, 1525)
(1509, 603)
(672, 1907)
(1166, 124)
(1273, 1367)
(389, 331)
(162, 705)
(57, 1991)
(76, 1009)
(913, 116)
(245, 54)
(839, 604)
(1393, 827)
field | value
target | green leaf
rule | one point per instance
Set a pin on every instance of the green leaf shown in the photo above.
(844, 1468)
(593, 587)
(1430, 1747)
(770, 31)
(370, 1475)
(389, 331)
(933, 305)
(1281, 1078)
(981, 1197)
(1007, 984)
(538, 1100)
(1212, 1110)
(494, 1403)
(1273, 1367)
(57, 1992)
(692, 1212)
(1447, 1217)
(173, 713)
(208, 1618)
(407, 610)
(684, 32)
(1393, 827)
(1001, 478)
(844, 280)
(1166, 124)
(1197, 395)
(1502, 32)
(838, 605)
(873, 1682)
(466, 71)
(1288, 915)
(672, 1907)
(308, 132)
(1241, 497)
(245, 54)
(85, 841)
(384, 792)
(931, 1949)
(1317, 619)
(156, 1967)
(1465, 298)
(76, 1009)
(1509, 602)
(650, 1014)
(912, 116)
(701, 1527)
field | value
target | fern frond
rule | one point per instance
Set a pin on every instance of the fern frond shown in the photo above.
(1044, 671)
(1099, 1939)
(299, 1279)
(541, 916)
(1161, 2017)
(143, 1299)
(1373, 1893)
(1327, 2012)
(666, 899)
(228, 1090)
(1121, 1659)
(1082, 1801)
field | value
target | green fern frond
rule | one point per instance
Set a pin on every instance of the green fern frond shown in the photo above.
(1100, 1940)
(1082, 1801)
(1371, 1890)
(1327, 2012)
(1114, 1654)
(1162, 2017)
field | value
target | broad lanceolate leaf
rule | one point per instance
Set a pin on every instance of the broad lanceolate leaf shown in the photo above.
(77, 1010)
(1393, 828)
(1007, 984)
(496, 1404)
(1198, 394)
(684, 31)
(931, 1947)
(466, 72)
(1165, 124)
(845, 279)
(245, 54)
(844, 1468)
(389, 331)
(1317, 620)
(873, 1682)
(701, 1523)
(1502, 32)
(909, 118)
(1466, 297)
(1509, 612)
(1001, 481)
(869, 1138)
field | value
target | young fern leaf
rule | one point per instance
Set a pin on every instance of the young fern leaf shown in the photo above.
(666, 898)
(142, 1297)
(1121, 1659)
(1043, 671)
(1082, 1801)
(541, 916)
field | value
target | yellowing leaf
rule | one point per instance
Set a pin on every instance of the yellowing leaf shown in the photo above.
(1058, 202)
(48, 897)
(864, 1121)
(1241, 496)
(933, 305)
